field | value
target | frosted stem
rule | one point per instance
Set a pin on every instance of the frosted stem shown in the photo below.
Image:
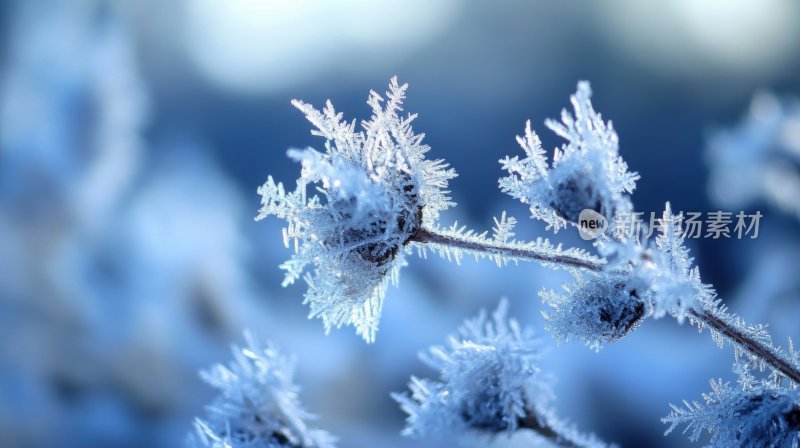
(705, 315)
(497, 248)
(755, 348)
(548, 432)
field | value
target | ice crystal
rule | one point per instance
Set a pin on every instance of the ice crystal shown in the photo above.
(258, 405)
(675, 285)
(664, 269)
(488, 384)
(586, 173)
(757, 413)
(376, 189)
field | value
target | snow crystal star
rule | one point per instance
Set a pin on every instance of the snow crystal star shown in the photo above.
(257, 405)
(376, 190)
(489, 383)
(586, 173)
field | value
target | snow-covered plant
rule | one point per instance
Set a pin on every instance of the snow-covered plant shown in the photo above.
(640, 278)
(757, 413)
(661, 274)
(587, 172)
(489, 383)
(381, 197)
(258, 405)
(376, 189)
(596, 310)
(757, 160)
(643, 279)
(376, 195)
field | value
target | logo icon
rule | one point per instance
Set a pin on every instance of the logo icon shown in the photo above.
(591, 224)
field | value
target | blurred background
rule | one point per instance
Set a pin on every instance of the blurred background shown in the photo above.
(133, 135)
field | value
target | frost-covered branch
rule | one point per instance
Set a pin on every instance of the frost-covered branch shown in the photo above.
(753, 341)
(637, 278)
(453, 242)
(376, 194)
(489, 383)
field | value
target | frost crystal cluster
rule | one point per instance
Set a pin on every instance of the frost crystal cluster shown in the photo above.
(675, 285)
(596, 311)
(257, 406)
(587, 172)
(373, 190)
(489, 383)
(641, 280)
(758, 413)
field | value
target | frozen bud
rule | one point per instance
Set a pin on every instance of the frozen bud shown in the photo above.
(488, 380)
(587, 172)
(488, 384)
(257, 404)
(374, 190)
(757, 413)
(573, 195)
(598, 310)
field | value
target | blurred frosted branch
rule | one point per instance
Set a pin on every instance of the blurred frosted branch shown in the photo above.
(258, 404)
(759, 158)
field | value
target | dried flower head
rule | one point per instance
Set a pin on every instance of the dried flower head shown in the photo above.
(488, 384)
(375, 190)
(488, 379)
(586, 173)
(757, 413)
(257, 405)
(597, 311)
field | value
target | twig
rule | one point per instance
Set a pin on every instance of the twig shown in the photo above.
(497, 248)
(764, 352)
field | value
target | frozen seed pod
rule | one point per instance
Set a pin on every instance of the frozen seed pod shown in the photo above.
(597, 311)
(587, 172)
(488, 384)
(374, 190)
